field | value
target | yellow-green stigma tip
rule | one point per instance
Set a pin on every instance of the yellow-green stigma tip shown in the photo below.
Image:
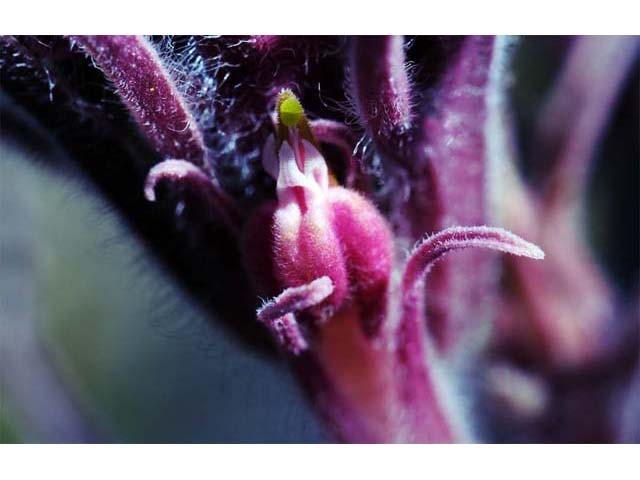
(290, 112)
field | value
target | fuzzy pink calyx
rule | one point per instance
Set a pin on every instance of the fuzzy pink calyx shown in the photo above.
(324, 230)
(305, 245)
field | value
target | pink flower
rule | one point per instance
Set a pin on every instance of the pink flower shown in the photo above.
(367, 200)
(348, 304)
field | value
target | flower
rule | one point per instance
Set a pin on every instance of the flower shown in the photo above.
(291, 208)
(332, 256)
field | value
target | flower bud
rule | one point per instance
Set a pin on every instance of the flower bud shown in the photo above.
(320, 230)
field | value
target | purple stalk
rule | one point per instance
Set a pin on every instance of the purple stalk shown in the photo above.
(190, 177)
(136, 70)
(279, 313)
(419, 389)
(381, 89)
(565, 305)
(569, 305)
(147, 89)
(576, 112)
(296, 299)
(286, 331)
(567, 302)
(456, 136)
(460, 292)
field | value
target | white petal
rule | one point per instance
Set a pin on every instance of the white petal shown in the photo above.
(315, 166)
(289, 173)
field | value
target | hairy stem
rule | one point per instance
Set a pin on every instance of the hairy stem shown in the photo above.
(420, 391)
(576, 112)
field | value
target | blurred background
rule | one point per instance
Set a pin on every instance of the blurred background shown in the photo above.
(97, 341)
(98, 344)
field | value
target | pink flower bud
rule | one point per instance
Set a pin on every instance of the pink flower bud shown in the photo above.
(319, 230)
(305, 244)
